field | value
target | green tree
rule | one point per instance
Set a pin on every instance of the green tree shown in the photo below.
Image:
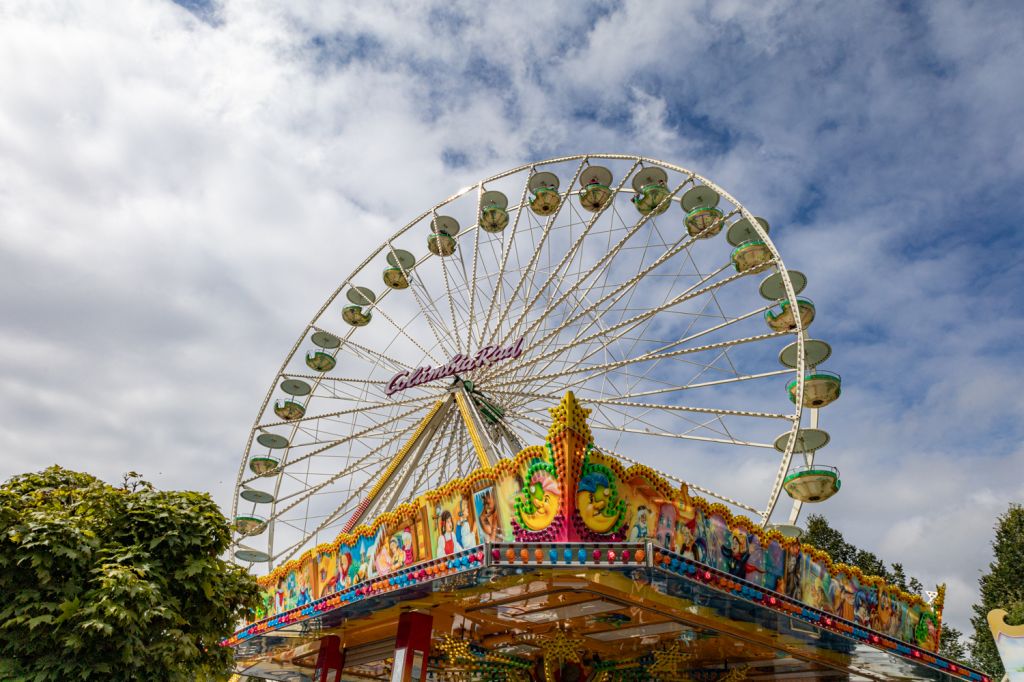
(823, 536)
(114, 583)
(951, 644)
(1001, 588)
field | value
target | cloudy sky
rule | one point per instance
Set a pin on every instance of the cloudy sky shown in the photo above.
(181, 185)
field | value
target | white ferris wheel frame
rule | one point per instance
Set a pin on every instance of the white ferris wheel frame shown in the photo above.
(497, 371)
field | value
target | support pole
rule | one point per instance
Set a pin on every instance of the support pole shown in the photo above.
(330, 660)
(486, 451)
(412, 646)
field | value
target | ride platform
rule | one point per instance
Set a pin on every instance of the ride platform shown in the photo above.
(560, 564)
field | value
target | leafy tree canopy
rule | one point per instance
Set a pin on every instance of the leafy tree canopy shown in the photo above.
(114, 583)
(1001, 588)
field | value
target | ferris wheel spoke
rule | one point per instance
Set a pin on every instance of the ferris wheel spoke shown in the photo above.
(623, 420)
(301, 496)
(476, 259)
(653, 355)
(339, 511)
(567, 258)
(668, 388)
(517, 370)
(627, 420)
(628, 324)
(330, 379)
(631, 323)
(364, 353)
(462, 456)
(414, 286)
(600, 267)
(401, 330)
(445, 451)
(499, 280)
(681, 436)
(598, 271)
(348, 439)
(424, 470)
(718, 305)
(527, 274)
(451, 304)
(410, 458)
(366, 407)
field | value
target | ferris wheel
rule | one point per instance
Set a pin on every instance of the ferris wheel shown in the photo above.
(643, 287)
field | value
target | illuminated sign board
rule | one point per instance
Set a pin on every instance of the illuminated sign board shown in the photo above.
(460, 364)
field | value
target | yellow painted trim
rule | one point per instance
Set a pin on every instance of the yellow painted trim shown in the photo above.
(474, 436)
(660, 484)
(401, 454)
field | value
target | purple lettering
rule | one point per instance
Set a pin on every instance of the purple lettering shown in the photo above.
(397, 383)
(457, 365)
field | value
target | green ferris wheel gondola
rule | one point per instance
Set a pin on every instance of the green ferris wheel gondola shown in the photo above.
(596, 192)
(546, 199)
(814, 483)
(781, 319)
(493, 213)
(750, 256)
(601, 291)
(821, 388)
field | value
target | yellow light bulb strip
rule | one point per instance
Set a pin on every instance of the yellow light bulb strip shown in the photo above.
(401, 454)
(474, 434)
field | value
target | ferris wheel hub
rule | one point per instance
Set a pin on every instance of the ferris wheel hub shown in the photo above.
(518, 294)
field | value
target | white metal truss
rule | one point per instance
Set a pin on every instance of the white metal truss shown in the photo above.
(649, 325)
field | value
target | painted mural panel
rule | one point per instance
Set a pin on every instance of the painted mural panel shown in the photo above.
(506, 488)
(355, 561)
(327, 572)
(686, 530)
(485, 507)
(742, 555)
(817, 586)
(529, 499)
(886, 618)
(538, 505)
(453, 525)
(716, 532)
(865, 603)
(295, 588)
(774, 577)
(600, 512)
(642, 512)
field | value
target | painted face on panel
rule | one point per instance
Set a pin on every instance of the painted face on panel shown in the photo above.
(327, 569)
(641, 527)
(346, 566)
(541, 500)
(485, 503)
(666, 533)
(593, 497)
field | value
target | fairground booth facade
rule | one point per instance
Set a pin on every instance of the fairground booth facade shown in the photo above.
(558, 564)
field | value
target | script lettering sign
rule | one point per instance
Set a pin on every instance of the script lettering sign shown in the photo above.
(460, 364)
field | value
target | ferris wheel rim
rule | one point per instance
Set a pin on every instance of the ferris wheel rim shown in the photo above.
(777, 265)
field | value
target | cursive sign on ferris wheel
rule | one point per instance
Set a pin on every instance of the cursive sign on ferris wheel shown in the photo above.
(457, 365)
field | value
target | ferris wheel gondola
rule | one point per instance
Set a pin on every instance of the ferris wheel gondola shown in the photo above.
(573, 274)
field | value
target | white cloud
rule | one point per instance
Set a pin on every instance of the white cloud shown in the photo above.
(179, 196)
